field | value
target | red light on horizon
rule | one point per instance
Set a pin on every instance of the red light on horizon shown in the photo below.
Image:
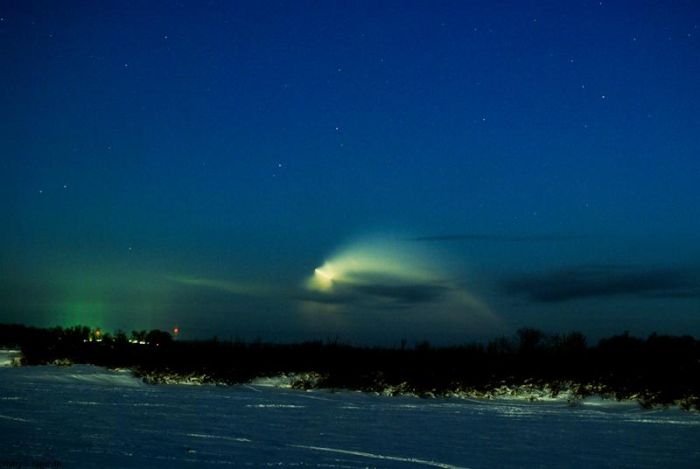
(176, 330)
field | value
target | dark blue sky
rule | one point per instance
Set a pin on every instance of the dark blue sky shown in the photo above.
(452, 170)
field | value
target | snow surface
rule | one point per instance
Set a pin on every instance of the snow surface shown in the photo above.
(84, 416)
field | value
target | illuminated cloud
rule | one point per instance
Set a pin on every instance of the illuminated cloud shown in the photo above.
(381, 275)
(377, 268)
(375, 285)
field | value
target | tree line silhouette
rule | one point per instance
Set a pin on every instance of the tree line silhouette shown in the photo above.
(658, 370)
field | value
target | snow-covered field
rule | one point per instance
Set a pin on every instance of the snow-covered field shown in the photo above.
(83, 416)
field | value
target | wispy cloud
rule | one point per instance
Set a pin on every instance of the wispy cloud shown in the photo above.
(234, 287)
(411, 294)
(490, 237)
(387, 295)
(604, 281)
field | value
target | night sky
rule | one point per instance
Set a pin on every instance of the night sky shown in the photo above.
(370, 171)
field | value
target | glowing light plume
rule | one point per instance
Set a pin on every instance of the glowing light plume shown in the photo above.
(323, 278)
(375, 261)
(383, 276)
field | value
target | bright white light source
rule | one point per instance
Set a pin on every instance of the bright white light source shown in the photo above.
(323, 278)
(326, 275)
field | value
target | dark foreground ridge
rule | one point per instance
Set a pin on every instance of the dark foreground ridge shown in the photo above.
(658, 370)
